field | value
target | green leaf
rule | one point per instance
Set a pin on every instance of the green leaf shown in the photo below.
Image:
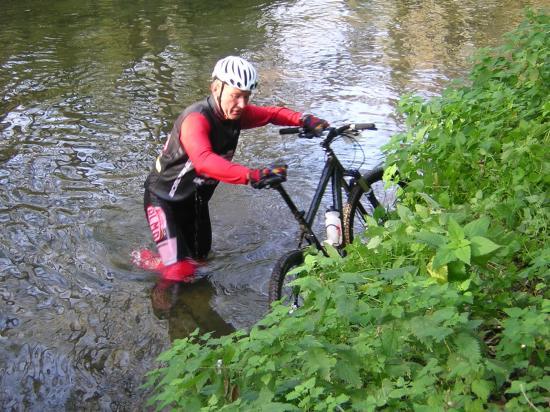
(481, 388)
(421, 132)
(482, 246)
(266, 378)
(308, 282)
(439, 273)
(340, 399)
(301, 389)
(318, 360)
(463, 254)
(443, 256)
(310, 261)
(430, 238)
(352, 278)
(374, 242)
(468, 347)
(332, 253)
(478, 227)
(345, 307)
(456, 234)
(349, 373)
(422, 211)
(265, 395)
(456, 271)
(424, 327)
(404, 213)
(430, 201)
(518, 386)
(295, 394)
(389, 173)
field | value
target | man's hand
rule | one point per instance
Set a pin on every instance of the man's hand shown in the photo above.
(314, 125)
(268, 176)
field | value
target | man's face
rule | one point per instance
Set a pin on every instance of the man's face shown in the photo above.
(233, 100)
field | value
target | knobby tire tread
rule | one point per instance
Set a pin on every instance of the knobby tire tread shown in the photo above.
(285, 263)
(356, 194)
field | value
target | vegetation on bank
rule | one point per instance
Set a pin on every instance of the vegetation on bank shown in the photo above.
(445, 307)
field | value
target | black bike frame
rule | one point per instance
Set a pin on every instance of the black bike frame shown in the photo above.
(334, 173)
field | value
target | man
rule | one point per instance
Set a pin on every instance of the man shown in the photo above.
(197, 156)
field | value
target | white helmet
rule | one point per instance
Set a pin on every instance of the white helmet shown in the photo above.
(236, 72)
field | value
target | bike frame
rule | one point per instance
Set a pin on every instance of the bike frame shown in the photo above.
(333, 173)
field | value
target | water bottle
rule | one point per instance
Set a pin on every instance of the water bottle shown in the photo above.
(333, 225)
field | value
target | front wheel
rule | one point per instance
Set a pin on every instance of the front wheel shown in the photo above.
(278, 284)
(368, 197)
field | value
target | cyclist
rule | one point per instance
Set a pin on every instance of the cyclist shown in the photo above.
(197, 156)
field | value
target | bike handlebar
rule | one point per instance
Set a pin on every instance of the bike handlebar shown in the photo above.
(363, 126)
(337, 131)
(290, 130)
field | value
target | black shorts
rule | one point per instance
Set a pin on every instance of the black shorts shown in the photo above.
(180, 229)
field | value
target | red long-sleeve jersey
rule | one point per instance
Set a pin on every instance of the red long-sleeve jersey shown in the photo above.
(200, 147)
(195, 139)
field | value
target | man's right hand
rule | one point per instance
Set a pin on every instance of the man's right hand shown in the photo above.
(268, 176)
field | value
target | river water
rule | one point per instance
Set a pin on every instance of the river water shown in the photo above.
(89, 91)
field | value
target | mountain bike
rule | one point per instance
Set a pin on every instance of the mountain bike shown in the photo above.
(354, 197)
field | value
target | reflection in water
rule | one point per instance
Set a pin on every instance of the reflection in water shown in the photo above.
(188, 307)
(90, 89)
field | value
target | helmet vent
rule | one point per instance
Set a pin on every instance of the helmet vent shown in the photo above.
(236, 72)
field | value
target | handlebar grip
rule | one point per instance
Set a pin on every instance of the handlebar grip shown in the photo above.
(290, 130)
(364, 126)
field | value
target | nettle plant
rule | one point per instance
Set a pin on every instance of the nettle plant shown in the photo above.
(444, 306)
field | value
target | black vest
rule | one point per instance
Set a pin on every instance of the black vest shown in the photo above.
(173, 176)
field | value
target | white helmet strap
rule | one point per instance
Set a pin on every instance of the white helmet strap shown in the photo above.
(220, 98)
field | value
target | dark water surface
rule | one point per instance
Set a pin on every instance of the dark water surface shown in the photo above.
(89, 90)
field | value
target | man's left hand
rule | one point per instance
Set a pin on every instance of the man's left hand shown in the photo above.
(314, 125)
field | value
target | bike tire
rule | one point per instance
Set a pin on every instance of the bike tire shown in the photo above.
(353, 220)
(278, 283)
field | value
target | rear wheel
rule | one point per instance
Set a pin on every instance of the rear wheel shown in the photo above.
(278, 284)
(368, 197)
